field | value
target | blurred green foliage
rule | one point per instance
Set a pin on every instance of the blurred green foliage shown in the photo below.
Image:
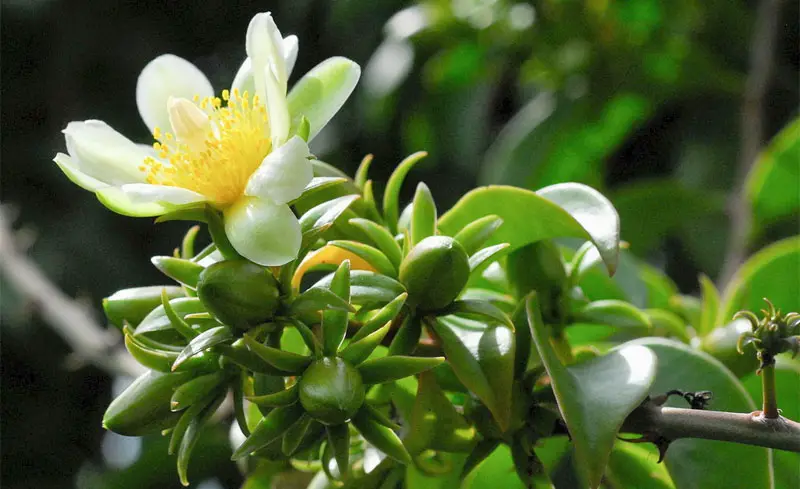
(640, 99)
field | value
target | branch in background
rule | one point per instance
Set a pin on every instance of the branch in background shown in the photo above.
(88, 339)
(662, 425)
(752, 133)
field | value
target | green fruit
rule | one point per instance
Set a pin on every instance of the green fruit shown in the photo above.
(331, 390)
(144, 407)
(435, 272)
(239, 293)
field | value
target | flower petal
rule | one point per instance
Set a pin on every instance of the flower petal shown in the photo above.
(283, 174)
(164, 77)
(263, 232)
(322, 91)
(102, 153)
(264, 47)
(243, 81)
(77, 177)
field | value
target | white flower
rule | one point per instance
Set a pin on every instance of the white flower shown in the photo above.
(240, 152)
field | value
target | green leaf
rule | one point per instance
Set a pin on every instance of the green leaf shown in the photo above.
(773, 183)
(710, 308)
(296, 434)
(358, 351)
(475, 234)
(482, 358)
(478, 308)
(564, 210)
(382, 238)
(496, 470)
(317, 185)
(771, 273)
(634, 466)
(194, 390)
(391, 196)
(277, 399)
(339, 441)
(134, 304)
(178, 323)
(183, 271)
(595, 396)
(613, 313)
(151, 358)
(423, 215)
(143, 407)
(334, 323)
(192, 436)
(387, 369)
(435, 424)
(202, 342)
(485, 256)
(269, 429)
(371, 255)
(703, 463)
(362, 173)
(282, 360)
(368, 287)
(381, 437)
(325, 214)
(384, 315)
(318, 299)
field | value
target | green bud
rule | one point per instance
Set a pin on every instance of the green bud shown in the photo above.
(435, 272)
(133, 305)
(331, 390)
(721, 343)
(144, 407)
(239, 293)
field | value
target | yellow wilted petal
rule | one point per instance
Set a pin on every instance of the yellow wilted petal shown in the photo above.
(328, 255)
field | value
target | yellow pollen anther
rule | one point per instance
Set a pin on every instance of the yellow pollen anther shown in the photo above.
(213, 149)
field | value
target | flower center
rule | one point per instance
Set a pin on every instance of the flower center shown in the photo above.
(212, 149)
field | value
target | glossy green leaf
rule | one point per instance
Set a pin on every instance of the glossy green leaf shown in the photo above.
(358, 351)
(317, 186)
(423, 215)
(634, 466)
(339, 442)
(277, 399)
(435, 424)
(373, 256)
(702, 463)
(613, 313)
(319, 299)
(773, 183)
(325, 214)
(395, 367)
(479, 309)
(151, 358)
(595, 396)
(771, 273)
(183, 271)
(484, 256)
(203, 341)
(391, 196)
(380, 318)
(194, 390)
(382, 238)
(564, 210)
(362, 173)
(368, 287)
(475, 234)
(710, 308)
(178, 323)
(282, 360)
(134, 304)
(334, 323)
(483, 360)
(269, 429)
(381, 437)
(143, 407)
(192, 436)
(295, 435)
(495, 470)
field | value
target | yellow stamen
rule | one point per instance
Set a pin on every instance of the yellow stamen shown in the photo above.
(214, 156)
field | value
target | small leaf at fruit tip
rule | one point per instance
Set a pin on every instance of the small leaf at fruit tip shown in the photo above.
(362, 172)
(475, 234)
(183, 271)
(391, 195)
(423, 215)
(387, 369)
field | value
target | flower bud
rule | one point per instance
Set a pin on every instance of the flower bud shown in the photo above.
(239, 293)
(721, 344)
(144, 407)
(331, 390)
(435, 272)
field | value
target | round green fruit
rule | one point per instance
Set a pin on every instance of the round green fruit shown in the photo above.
(239, 293)
(331, 391)
(435, 272)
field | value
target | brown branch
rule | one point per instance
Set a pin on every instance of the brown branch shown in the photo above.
(752, 132)
(665, 424)
(70, 320)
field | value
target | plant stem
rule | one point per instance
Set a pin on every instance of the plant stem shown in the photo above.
(669, 424)
(769, 393)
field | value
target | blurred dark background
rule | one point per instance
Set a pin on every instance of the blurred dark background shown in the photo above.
(640, 99)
